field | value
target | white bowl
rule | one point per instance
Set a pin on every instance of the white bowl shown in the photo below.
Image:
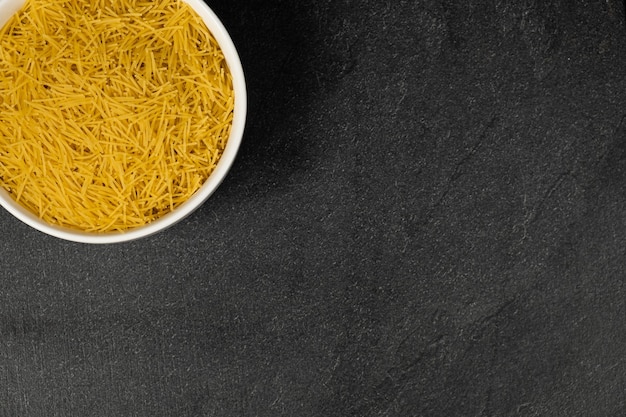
(9, 7)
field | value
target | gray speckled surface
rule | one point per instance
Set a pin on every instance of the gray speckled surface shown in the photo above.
(426, 219)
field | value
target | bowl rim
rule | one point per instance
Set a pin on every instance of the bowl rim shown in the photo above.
(199, 197)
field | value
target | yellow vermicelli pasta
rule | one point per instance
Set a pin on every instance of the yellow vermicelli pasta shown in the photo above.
(112, 112)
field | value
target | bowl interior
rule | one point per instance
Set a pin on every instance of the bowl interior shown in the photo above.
(10, 7)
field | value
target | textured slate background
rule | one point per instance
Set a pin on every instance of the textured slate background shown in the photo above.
(427, 218)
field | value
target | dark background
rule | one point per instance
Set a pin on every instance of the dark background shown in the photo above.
(427, 218)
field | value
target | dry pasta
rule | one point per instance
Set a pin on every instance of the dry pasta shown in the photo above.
(112, 112)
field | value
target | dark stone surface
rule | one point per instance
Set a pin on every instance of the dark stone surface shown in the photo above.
(427, 218)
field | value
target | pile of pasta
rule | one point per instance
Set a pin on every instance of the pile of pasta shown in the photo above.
(112, 112)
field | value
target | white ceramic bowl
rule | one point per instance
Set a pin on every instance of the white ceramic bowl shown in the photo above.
(9, 7)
